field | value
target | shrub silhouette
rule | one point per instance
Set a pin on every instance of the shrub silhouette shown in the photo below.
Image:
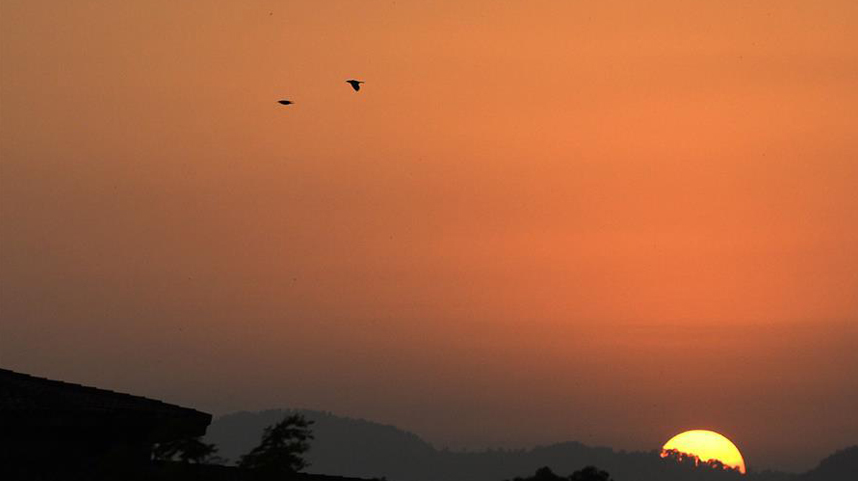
(282, 448)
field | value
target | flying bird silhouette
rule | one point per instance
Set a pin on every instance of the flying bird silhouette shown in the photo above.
(285, 102)
(355, 84)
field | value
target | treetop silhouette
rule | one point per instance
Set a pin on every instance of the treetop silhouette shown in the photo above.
(282, 448)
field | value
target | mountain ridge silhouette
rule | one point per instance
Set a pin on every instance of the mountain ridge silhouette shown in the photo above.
(346, 446)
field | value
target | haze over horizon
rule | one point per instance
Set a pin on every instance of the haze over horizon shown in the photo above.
(606, 222)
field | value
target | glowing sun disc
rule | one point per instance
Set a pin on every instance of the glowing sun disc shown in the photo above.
(707, 445)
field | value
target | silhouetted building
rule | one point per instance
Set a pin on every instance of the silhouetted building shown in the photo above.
(57, 430)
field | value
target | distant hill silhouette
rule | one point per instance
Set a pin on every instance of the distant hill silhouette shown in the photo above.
(342, 446)
(840, 466)
(354, 447)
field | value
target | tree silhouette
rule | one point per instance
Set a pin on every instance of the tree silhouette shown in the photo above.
(282, 448)
(691, 462)
(545, 474)
(590, 473)
(688, 461)
(188, 450)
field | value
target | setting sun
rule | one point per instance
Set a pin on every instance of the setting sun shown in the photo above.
(706, 445)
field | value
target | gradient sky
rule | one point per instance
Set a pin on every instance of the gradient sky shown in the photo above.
(539, 221)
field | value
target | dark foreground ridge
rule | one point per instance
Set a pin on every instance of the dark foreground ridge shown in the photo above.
(52, 430)
(58, 430)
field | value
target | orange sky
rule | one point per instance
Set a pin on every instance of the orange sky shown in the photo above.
(538, 221)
